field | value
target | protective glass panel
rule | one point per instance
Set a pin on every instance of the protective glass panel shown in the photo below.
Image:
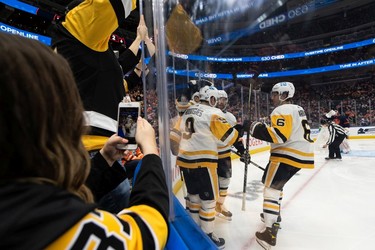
(325, 48)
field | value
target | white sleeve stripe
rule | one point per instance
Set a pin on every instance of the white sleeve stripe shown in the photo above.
(95, 119)
(128, 4)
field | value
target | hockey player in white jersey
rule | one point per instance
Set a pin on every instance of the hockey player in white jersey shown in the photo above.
(291, 150)
(203, 128)
(224, 168)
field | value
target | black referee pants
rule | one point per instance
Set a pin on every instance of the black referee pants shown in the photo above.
(334, 147)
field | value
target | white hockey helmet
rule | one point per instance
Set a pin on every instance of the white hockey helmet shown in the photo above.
(222, 93)
(222, 101)
(284, 88)
(207, 92)
(195, 98)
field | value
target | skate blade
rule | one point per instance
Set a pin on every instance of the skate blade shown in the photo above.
(263, 244)
(223, 217)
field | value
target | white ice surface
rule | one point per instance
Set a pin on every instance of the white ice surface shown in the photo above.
(327, 208)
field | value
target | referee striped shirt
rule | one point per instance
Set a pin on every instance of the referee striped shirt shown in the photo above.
(335, 130)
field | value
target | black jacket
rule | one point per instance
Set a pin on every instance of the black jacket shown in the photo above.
(35, 216)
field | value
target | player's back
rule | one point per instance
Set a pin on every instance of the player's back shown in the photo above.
(292, 123)
(203, 128)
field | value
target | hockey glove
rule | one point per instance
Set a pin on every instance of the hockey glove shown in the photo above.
(240, 147)
(254, 125)
(240, 130)
(245, 158)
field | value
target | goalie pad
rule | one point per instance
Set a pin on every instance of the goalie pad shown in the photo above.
(344, 146)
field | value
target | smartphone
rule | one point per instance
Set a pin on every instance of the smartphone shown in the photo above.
(128, 113)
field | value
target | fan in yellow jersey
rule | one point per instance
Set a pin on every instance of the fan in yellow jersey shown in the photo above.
(202, 129)
(83, 39)
(291, 150)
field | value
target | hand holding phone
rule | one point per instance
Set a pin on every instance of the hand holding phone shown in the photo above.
(110, 152)
(128, 113)
(146, 137)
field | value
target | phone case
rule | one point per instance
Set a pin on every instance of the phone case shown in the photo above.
(127, 123)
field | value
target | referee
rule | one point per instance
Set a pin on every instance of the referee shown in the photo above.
(336, 135)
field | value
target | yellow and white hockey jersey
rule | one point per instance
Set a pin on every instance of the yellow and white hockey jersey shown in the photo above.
(289, 135)
(225, 152)
(202, 130)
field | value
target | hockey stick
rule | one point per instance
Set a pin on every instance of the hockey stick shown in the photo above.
(247, 153)
(255, 164)
(183, 184)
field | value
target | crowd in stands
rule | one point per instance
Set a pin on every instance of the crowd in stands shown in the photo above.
(345, 27)
(349, 23)
(24, 21)
(308, 62)
(355, 100)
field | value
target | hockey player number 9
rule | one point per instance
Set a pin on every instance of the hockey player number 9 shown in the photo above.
(189, 128)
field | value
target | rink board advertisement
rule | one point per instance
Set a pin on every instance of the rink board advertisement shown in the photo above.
(256, 146)
(362, 132)
(354, 133)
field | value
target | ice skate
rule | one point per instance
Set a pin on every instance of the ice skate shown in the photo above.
(219, 242)
(222, 212)
(267, 237)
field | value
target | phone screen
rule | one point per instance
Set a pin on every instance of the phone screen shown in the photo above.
(127, 123)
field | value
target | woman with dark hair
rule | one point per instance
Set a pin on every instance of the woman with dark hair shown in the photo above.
(44, 165)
